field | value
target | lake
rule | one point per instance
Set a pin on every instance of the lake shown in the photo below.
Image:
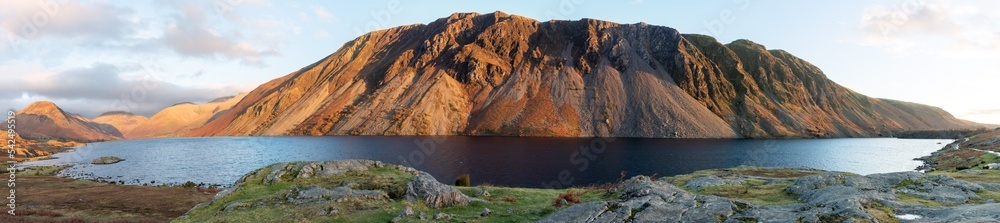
(507, 161)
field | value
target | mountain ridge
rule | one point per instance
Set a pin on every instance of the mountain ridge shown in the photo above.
(44, 119)
(123, 121)
(500, 74)
(178, 119)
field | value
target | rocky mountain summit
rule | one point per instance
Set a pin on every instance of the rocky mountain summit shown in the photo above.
(500, 74)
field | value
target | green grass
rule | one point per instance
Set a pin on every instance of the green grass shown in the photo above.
(681, 180)
(881, 212)
(754, 190)
(907, 183)
(42, 170)
(991, 176)
(906, 198)
(986, 195)
(757, 193)
(530, 204)
(986, 159)
(959, 159)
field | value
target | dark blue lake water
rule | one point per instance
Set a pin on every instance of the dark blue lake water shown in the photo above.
(509, 161)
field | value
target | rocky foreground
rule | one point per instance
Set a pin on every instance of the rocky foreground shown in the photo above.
(371, 191)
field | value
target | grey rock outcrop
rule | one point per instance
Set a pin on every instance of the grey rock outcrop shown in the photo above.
(480, 192)
(423, 187)
(822, 196)
(327, 211)
(234, 206)
(294, 170)
(317, 193)
(442, 215)
(485, 212)
(650, 201)
(403, 214)
(711, 181)
(993, 166)
(433, 193)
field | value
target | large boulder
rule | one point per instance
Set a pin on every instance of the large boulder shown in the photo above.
(993, 166)
(433, 193)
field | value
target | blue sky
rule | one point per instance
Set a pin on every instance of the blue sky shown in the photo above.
(140, 56)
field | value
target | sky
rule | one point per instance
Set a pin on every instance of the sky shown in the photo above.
(90, 57)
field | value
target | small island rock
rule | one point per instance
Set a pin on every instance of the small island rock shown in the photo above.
(107, 160)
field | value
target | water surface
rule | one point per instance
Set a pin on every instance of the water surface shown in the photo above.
(509, 161)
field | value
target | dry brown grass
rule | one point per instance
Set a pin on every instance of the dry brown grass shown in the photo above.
(509, 199)
(571, 197)
(609, 186)
(56, 199)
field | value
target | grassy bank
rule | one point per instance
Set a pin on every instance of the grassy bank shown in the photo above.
(255, 201)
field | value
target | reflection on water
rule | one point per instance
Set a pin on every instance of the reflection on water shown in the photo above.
(510, 161)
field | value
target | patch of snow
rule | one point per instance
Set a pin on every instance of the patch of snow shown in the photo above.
(908, 217)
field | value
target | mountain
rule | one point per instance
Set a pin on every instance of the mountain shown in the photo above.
(43, 119)
(123, 121)
(499, 74)
(180, 118)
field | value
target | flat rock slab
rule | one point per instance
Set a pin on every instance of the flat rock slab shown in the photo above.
(840, 195)
(106, 160)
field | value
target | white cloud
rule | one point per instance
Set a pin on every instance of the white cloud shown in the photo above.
(921, 27)
(101, 87)
(34, 19)
(190, 35)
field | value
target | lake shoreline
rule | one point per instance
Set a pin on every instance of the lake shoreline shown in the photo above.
(44, 197)
(973, 152)
(713, 178)
(493, 160)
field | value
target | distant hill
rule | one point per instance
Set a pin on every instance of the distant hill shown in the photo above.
(45, 120)
(180, 118)
(499, 74)
(123, 121)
